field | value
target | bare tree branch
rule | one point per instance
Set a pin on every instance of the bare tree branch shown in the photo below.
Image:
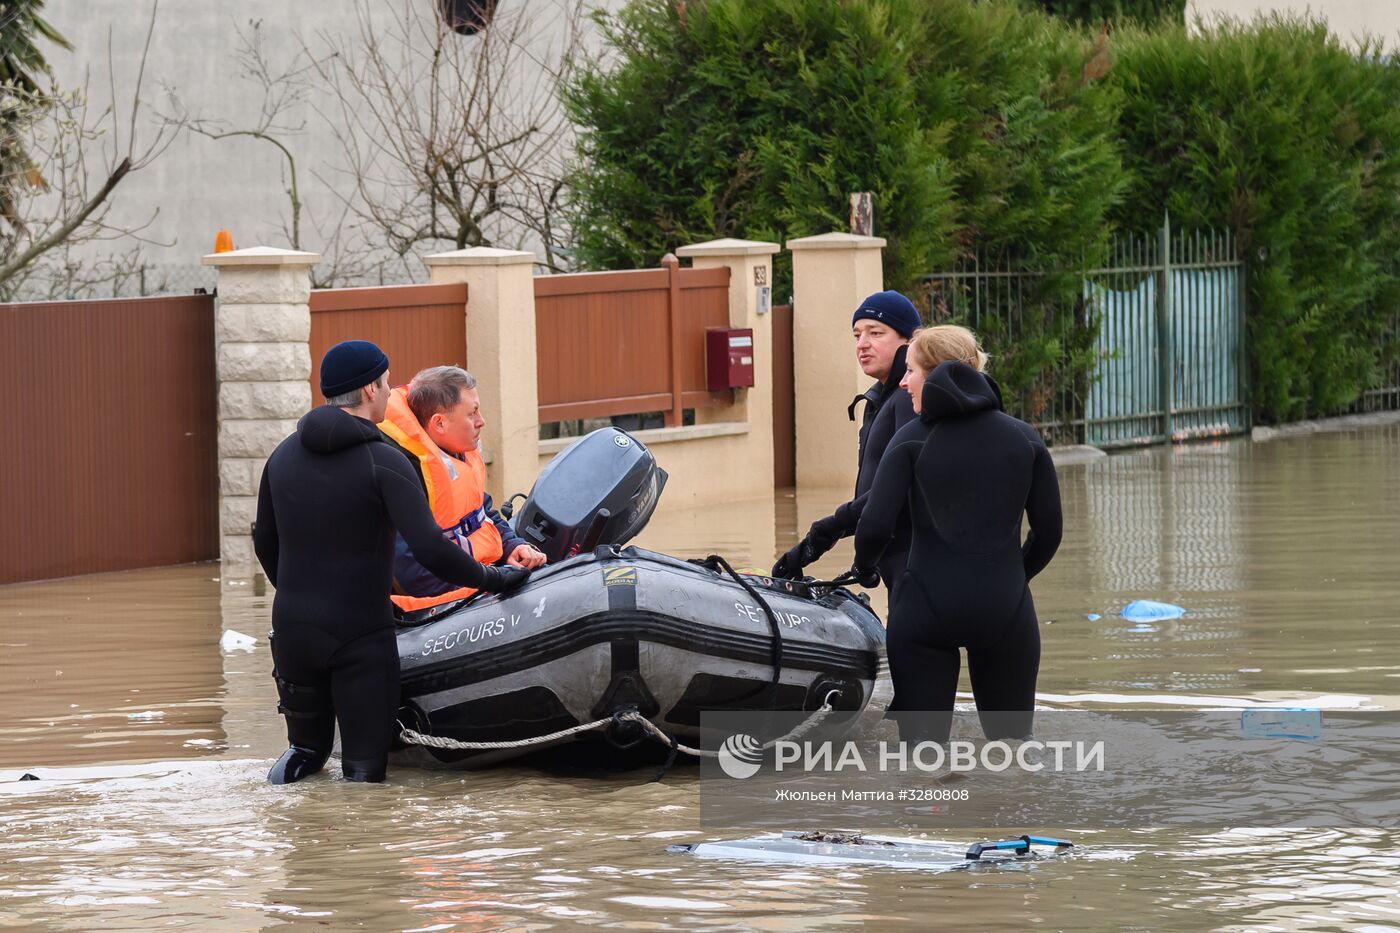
(283, 90)
(448, 139)
(65, 229)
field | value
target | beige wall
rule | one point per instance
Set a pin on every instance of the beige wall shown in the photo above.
(1349, 19)
(831, 275)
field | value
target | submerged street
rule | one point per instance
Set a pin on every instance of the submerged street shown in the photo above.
(152, 743)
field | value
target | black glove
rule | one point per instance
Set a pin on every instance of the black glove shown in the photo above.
(868, 577)
(504, 578)
(789, 566)
(823, 535)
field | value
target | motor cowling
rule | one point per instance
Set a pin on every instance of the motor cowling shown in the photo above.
(601, 489)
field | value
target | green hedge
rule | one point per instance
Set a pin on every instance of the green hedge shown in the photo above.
(1031, 134)
(755, 120)
(1278, 131)
(1095, 12)
(992, 128)
(972, 126)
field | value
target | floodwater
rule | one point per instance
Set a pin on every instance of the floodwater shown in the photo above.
(151, 743)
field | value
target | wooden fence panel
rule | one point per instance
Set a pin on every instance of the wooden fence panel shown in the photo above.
(604, 341)
(416, 325)
(601, 344)
(110, 461)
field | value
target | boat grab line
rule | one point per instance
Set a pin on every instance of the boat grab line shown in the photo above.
(410, 737)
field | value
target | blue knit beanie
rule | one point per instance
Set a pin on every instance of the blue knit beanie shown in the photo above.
(350, 365)
(891, 309)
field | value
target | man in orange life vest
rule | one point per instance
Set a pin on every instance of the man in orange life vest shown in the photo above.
(436, 421)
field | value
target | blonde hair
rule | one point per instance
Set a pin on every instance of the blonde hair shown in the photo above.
(943, 342)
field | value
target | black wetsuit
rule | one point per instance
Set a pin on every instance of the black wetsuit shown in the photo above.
(965, 472)
(887, 409)
(331, 497)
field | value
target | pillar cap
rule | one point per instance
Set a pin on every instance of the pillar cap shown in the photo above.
(729, 246)
(261, 256)
(836, 241)
(481, 256)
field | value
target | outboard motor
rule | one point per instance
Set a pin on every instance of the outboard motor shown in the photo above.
(601, 489)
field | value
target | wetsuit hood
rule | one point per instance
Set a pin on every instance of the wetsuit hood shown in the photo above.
(954, 389)
(880, 391)
(327, 430)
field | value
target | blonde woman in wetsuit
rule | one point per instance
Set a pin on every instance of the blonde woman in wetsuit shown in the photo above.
(966, 472)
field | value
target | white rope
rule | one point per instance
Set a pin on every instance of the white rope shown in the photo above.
(802, 729)
(410, 737)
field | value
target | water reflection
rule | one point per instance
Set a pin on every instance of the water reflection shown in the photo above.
(1163, 522)
(114, 667)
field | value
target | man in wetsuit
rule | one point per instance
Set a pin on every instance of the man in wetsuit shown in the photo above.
(881, 327)
(964, 473)
(331, 497)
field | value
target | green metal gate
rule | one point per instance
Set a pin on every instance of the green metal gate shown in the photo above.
(1162, 325)
(1171, 326)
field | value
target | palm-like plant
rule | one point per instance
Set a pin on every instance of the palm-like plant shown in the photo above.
(21, 59)
(24, 89)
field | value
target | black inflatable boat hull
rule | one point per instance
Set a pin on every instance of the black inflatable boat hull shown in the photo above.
(625, 628)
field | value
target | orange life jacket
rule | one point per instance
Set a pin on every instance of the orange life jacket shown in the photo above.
(456, 489)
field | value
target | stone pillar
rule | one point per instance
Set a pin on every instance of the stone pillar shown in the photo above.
(832, 273)
(263, 364)
(750, 267)
(501, 355)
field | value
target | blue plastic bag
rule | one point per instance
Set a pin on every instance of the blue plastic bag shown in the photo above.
(1147, 610)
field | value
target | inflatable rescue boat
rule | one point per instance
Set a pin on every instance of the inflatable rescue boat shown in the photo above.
(606, 628)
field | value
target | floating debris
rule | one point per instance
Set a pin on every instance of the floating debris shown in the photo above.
(823, 848)
(843, 839)
(1295, 723)
(237, 641)
(1147, 610)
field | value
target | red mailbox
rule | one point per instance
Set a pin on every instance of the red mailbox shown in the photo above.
(728, 358)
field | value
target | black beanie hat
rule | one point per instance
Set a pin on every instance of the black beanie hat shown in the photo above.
(891, 309)
(350, 365)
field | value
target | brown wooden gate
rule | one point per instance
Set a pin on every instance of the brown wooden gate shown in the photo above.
(109, 460)
(784, 404)
(416, 325)
(618, 343)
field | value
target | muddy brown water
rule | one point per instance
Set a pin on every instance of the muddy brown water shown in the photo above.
(152, 743)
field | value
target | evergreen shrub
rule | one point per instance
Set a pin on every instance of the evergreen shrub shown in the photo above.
(1031, 133)
(1278, 131)
(754, 120)
(1096, 12)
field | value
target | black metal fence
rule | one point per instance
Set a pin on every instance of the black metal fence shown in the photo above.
(1387, 396)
